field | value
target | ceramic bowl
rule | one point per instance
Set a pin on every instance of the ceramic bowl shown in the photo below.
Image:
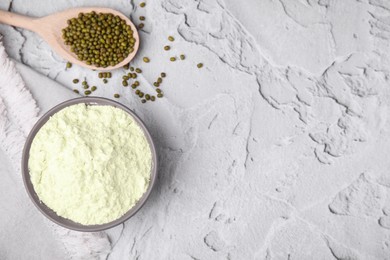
(49, 213)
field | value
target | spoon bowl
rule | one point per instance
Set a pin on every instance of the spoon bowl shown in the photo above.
(50, 29)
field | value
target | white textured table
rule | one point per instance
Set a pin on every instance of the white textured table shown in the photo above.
(279, 148)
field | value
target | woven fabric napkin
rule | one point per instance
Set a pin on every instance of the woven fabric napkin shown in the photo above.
(20, 108)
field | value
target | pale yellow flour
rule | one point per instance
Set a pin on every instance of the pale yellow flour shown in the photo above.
(90, 164)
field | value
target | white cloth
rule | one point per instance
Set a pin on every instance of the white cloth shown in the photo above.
(18, 113)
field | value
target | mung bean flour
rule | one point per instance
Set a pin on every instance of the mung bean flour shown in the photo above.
(90, 164)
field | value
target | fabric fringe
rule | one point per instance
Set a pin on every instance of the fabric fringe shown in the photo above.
(19, 102)
(11, 138)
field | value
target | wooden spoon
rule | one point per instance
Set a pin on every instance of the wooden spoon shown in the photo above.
(50, 29)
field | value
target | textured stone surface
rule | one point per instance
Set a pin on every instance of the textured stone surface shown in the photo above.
(277, 149)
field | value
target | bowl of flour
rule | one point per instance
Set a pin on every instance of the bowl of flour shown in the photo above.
(89, 164)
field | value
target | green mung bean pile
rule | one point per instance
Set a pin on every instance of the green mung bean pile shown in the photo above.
(99, 39)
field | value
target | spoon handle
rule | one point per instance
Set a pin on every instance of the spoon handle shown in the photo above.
(17, 20)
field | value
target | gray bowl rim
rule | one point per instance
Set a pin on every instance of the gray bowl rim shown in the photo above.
(49, 213)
